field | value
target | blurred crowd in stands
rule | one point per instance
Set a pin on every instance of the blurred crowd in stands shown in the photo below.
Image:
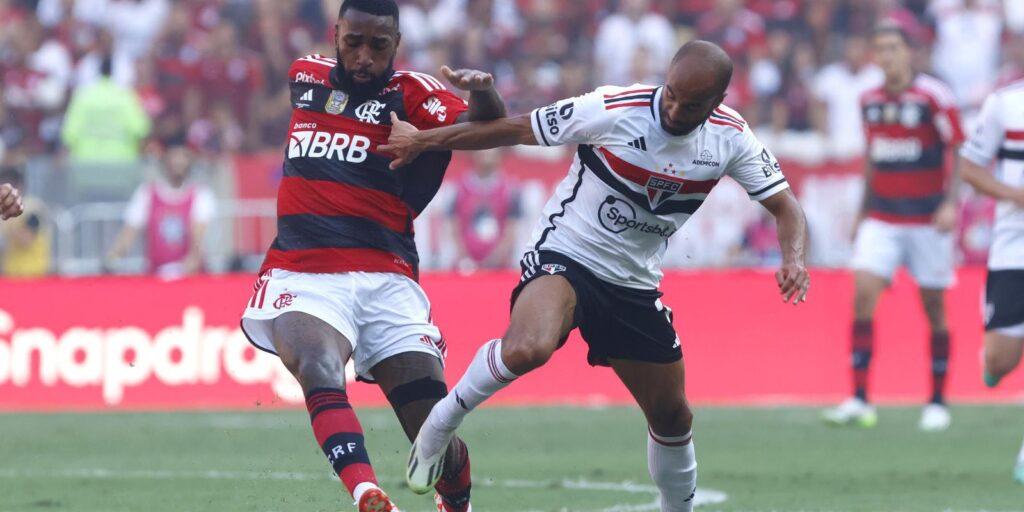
(103, 100)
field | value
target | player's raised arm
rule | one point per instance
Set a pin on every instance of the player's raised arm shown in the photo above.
(406, 142)
(582, 119)
(485, 102)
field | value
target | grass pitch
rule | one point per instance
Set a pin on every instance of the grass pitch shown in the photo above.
(536, 459)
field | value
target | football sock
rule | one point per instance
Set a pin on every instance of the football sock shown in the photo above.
(486, 375)
(940, 363)
(672, 462)
(863, 345)
(339, 434)
(455, 484)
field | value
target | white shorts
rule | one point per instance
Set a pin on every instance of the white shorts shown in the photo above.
(882, 247)
(381, 314)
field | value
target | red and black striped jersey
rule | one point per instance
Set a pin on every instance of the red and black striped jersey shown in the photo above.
(908, 135)
(339, 207)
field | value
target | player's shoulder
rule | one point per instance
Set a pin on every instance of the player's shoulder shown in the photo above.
(939, 92)
(1012, 91)
(416, 82)
(726, 122)
(873, 95)
(628, 100)
(312, 69)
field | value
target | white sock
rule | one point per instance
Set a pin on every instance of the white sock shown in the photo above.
(360, 489)
(672, 462)
(486, 375)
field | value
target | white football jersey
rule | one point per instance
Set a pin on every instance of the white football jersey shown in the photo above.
(632, 185)
(1000, 136)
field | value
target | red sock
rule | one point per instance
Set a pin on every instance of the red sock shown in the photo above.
(940, 364)
(338, 432)
(455, 484)
(862, 347)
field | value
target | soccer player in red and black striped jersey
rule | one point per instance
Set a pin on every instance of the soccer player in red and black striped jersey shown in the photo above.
(908, 214)
(339, 282)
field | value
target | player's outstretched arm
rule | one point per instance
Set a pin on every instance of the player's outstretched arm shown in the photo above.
(406, 142)
(485, 102)
(982, 181)
(10, 202)
(792, 278)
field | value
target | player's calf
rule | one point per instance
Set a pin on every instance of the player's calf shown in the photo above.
(1001, 355)
(315, 353)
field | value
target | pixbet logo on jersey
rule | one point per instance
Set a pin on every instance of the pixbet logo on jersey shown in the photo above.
(340, 146)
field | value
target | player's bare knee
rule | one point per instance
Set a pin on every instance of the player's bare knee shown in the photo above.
(522, 353)
(312, 365)
(998, 363)
(673, 419)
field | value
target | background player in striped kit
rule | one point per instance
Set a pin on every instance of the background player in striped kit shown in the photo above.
(339, 282)
(907, 215)
(999, 138)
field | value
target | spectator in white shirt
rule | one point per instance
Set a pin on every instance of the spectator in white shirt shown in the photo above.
(966, 50)
(837, 90)
(633, 31)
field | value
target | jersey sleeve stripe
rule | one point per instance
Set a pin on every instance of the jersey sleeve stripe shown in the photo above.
(626, 93)
(627, 98)
(426, 85)
(430, 78)
(634, 104)
(726, 123)
(315, 61)
(1014, 134)
(760, 191)
(538, 128)
(722, 114)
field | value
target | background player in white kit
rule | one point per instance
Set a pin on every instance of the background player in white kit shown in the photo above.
(647, 158)
(999, 137)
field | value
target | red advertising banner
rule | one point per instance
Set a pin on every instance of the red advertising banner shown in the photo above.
(142, 343)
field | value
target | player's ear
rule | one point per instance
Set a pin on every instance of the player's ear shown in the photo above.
(398, 38)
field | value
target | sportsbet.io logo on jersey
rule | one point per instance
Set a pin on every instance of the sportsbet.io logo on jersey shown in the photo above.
(617, 215)
(338, 146)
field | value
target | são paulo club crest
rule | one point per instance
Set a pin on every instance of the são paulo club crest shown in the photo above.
(661, 189)
(552, 268)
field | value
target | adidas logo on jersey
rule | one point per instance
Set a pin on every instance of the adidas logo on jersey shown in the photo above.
(339, 146)
(305, 99)
(640, 144)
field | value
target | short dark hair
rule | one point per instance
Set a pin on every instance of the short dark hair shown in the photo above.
(893, 27)
(374, 7)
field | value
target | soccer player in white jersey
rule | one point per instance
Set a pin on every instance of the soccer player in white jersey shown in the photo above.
(647, 158)
(10, 202)
(999, 137)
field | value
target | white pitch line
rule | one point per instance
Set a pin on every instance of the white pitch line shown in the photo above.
(703, 496)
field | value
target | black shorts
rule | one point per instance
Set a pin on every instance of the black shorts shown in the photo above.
(1004, 299)
(615, 321)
